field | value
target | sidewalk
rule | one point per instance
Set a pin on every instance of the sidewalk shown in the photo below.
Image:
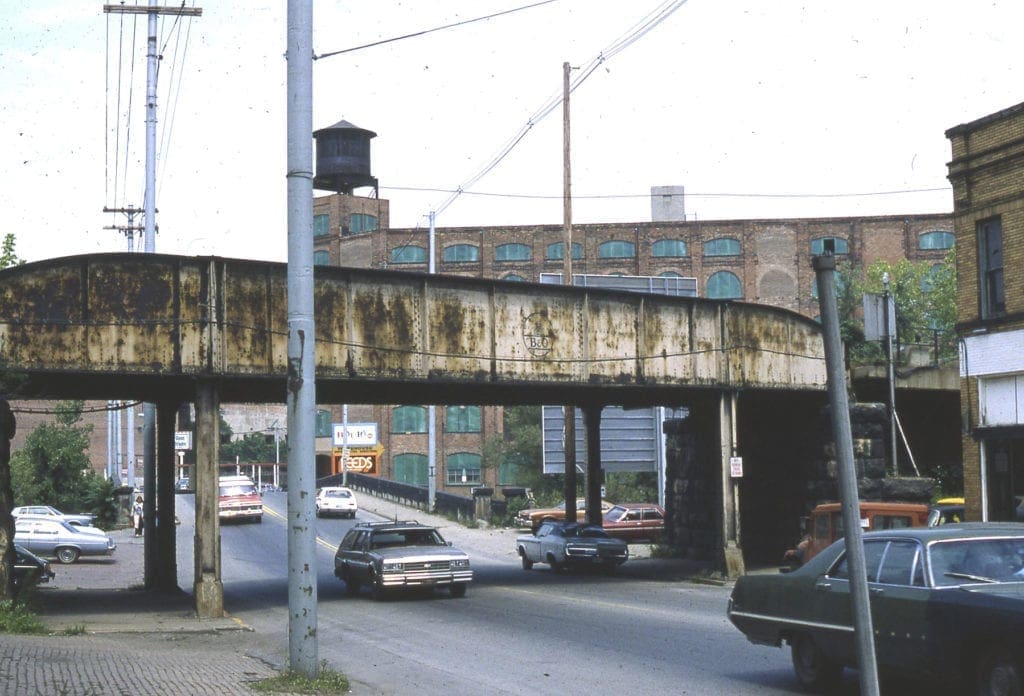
(109, 636)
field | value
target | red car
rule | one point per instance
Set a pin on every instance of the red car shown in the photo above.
(635, 522)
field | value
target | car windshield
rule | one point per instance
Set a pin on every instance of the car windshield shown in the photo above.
(586, 532)
(960, 561)
(615, 514)
(238, 489)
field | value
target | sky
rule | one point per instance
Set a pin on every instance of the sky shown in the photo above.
(759, 109)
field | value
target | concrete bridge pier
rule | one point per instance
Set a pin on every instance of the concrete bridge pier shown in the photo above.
(166, 566)
(208, 588)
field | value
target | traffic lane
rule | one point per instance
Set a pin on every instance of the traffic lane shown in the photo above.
(522, 623)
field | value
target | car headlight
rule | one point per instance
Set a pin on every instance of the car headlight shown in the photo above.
(393, 566)
(460, 563)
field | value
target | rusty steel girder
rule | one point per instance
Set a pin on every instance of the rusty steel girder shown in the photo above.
(124, 323)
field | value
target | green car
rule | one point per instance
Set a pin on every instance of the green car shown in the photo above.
(947, 604)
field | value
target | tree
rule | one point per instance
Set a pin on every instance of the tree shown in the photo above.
(7, 255)
(49, 468)
(925, 299)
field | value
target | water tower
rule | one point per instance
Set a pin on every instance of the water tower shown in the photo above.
(343, 158)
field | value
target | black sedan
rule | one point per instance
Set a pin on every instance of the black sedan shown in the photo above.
(947, 603)
(571, 545)
(30, 569)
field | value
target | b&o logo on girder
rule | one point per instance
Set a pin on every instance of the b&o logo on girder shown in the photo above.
(538, 334)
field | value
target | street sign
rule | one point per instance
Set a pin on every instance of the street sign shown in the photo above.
(183, 440)
(736, 467)
(359, 434)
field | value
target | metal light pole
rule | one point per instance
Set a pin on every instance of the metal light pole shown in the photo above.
(824, 268)
(302, 581)
(431, 411)
(889, 330)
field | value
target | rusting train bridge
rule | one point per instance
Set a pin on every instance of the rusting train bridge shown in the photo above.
(173, 329)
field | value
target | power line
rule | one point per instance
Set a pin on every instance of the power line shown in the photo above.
(645, 25)
(689, 194)
(429, 31)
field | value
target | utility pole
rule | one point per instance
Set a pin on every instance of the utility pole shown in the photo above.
(569, 410)
(301, 399)
(431, 411)
(152, 12)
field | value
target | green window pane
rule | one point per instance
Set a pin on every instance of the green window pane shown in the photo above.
(462, 419)
(463, 469)
(408, 254)
(321, 225)
(409, 419)
(461, 253)
(724, 286)
(937, 239)
(515, 277)
(818, 246)
(723, 246)
(411, 469)
(512, 252)
(617, 249)
(321, 258)
(359, 223)
(556, 251)
(669, 248)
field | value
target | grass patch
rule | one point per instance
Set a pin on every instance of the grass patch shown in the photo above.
(75, 630)
(16, 617)
(327, 682)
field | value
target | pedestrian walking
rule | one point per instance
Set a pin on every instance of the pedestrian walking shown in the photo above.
(137, 515)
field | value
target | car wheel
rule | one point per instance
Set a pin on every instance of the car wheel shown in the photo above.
(458, 590)
(377, 591)
(610, 567)
(319, 513)
(67, 555)
(527, 563)
(999, 673)
(814, 669)
(555, 565)
(351, 586)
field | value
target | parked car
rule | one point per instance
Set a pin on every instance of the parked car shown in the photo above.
(336, 500)
(947, 603)
(532, 518)
(56, 538)
(825, 525)
(946, 511)
(30, 569)
(635, 522)
(571, 545)
(400, 555)
(52, 512)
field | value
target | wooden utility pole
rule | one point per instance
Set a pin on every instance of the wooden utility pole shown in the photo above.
(569, 409)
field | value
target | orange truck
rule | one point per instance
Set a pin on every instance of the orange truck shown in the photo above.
(825, 524)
